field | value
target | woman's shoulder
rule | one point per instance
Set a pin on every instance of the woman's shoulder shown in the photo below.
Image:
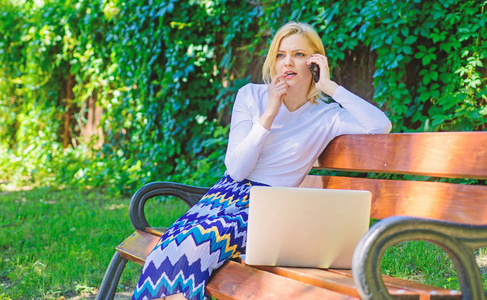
(252, 93)
(254, 88)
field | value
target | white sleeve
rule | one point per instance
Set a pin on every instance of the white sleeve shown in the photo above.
(246, 137)
(359, 115)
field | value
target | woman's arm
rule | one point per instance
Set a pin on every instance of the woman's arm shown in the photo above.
(362, 117)
(246, 137)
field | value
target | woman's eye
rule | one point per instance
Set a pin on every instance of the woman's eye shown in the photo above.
(299, 54)
(280, 55)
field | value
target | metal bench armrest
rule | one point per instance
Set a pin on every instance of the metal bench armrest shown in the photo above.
(189, 194)
(457, 240)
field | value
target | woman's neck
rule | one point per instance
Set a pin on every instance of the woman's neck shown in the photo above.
(293, 101)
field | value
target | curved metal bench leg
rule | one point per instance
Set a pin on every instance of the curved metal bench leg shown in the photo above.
(112, 277)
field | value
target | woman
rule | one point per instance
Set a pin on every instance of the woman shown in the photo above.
(278, 130)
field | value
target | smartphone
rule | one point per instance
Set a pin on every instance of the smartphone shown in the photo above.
(315, 71)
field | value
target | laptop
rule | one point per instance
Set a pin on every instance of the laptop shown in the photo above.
(305, 227)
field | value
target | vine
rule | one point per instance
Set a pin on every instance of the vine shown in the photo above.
(162, 76)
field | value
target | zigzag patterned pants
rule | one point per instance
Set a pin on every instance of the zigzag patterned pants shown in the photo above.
(211, 232)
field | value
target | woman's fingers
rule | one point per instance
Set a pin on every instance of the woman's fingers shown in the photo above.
(325, 84)
(277, 89)
(277, 78)
(278, 86)
(322, 62)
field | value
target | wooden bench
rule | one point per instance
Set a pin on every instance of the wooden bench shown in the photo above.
(447, 214)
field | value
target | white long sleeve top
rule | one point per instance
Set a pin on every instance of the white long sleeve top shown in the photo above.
(283, 155)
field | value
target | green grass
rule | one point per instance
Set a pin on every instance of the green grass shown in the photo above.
(427, 263)
(58, 242)
(422, 262)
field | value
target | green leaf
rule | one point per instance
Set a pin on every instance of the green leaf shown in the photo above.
(483, 111)
(407, 50)
(410, 40)
(426, 60)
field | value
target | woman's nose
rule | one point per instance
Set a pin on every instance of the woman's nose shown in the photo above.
(288, 61)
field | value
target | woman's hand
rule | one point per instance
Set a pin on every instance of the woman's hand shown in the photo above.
(325, 84)
(277, 90)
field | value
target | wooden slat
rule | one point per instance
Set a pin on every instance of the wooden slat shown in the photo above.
(424, 291)
(137, 246)
(442, 154)
(330, 280)
(341, 281)
(237, 281)
(159, 231)
(445, 201)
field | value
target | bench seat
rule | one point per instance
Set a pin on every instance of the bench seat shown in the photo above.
(241, 281)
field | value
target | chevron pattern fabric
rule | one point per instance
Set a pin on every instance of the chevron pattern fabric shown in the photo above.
(211, 232)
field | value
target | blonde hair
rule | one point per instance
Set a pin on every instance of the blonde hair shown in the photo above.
(314, 40)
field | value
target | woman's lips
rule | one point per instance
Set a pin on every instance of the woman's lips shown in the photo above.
(290, 75)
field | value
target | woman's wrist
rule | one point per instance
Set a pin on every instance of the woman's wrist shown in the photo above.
(329, 88)
(266, 119)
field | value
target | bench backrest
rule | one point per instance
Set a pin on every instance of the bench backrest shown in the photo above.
(432, 157)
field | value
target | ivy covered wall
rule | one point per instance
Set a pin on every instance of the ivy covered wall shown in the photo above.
(118, 93)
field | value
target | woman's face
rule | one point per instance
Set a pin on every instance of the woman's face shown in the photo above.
(292, 55)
